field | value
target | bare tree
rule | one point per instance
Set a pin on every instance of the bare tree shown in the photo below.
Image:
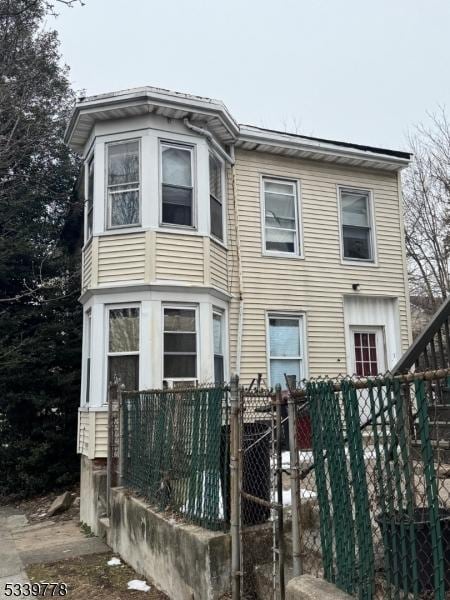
(426, 188)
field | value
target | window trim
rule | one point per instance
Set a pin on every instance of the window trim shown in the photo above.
(220, 313)
(222, 201)
(303, 358)
(181, 306)
(108, 226)
(192, 149)
(107, 354)
(368, 262)
(298, 250)
(89, 159)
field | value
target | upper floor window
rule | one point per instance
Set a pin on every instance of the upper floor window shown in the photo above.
(281, 229)
(177, 185)
(356, 224)
(90, 198)
(123, 347)
(215, 196)
(123, 182)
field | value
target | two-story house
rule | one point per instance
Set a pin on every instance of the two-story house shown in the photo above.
(214, 248)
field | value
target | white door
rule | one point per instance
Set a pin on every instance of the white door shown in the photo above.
(368, 359)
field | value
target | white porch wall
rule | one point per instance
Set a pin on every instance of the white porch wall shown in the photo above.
(376, 312)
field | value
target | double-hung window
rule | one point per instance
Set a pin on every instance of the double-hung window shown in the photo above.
(218, 335)
(90, 198)
(180, 343)
(356, 222)
(285, 348)
(281, 230)
(216, 196)
(123, 183)
(177, 185)
(123, 347)
(88, 331)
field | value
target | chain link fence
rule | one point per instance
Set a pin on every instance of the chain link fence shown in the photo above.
(175, 451)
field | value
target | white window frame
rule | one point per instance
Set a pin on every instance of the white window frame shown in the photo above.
(87, 378)
(192, 149)
(171, 380)
(108, 308)
(222, 201)
(373, 261)
(90, 159)
(107, 186)
(298, 249)
(220, 313)
(302, 358)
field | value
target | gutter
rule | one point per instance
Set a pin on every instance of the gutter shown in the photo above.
(209, 136)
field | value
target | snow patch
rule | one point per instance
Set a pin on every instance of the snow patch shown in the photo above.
(114, 562)
(139, 585)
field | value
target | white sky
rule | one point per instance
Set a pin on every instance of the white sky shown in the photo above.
(364, 71)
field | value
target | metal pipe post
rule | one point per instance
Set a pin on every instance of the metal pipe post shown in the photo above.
(235, 491)
(280, 524)
(295, 489)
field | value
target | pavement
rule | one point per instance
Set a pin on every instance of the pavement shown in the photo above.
(23, 544)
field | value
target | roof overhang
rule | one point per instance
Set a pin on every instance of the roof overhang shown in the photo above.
(214, 115)
(148, 100)
(297, 146)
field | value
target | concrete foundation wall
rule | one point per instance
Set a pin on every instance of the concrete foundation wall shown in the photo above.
(92, 492)
(185, 561)
(307, 587)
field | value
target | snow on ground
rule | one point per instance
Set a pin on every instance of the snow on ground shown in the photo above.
(114, 562)
(139, 585)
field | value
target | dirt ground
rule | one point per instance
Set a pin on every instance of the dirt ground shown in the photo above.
(36, 508)
(90, 578)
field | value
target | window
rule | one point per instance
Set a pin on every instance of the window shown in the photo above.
(177, 186)
(219, 375)
(90, 199)
(123, 347)
(88, 355)
(123, 184)
(356, 225)
(215, 196)
(280, 216)
(180, 343)
(285, 348)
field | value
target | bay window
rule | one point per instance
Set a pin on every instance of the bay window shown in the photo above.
(177, 185)
(356, 225)
(180, 343)
(123, 183)
(215, 196)
(218, 337)
(281, 230)
(285, 348)
(123, 347)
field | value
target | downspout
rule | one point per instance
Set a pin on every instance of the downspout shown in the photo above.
(230, 159)
(239, 262)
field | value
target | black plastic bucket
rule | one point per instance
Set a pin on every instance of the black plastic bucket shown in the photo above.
(419, 536)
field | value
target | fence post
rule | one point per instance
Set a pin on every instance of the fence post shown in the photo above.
(295, 495)
(235, 491)
(278, 400)
(121, 457)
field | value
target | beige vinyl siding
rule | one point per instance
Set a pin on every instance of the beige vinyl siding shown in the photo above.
(121, 258)
(316, 284)
(83, 432)
(87, 267)
(218, 266)
(179, 257)
(92, 439)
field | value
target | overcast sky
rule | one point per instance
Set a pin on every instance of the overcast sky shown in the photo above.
(355, 70)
